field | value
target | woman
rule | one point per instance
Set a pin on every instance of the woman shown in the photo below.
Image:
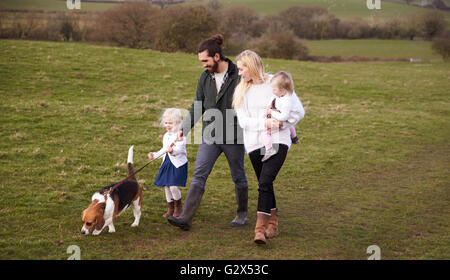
(251, 97)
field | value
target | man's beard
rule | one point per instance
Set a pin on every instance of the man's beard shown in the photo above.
(214, 68)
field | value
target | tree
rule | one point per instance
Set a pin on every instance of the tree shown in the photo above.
(354, 28)
(283, 45)
(325, 26)
(237, 20)
(433, 23)
(66, 30)
(214, 4)
(411, 27)
(132, 24)
(183, 28)
(310, 22)
(441, 45)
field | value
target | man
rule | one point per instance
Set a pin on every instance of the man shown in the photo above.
(220, 133)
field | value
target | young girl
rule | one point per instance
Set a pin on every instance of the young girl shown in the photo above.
(283, 107)
(173, 171)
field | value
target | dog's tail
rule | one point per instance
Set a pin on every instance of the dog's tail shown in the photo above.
(130, 162)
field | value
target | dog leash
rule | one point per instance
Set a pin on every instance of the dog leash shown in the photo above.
(137, 171)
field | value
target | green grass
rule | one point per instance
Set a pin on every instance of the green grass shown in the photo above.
(341, 9)
(373, 48)
(372, 166)
(416, 2)
(52, 5)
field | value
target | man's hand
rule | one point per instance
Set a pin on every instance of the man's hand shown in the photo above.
(179, 135)
(170, 150)
(151, 156)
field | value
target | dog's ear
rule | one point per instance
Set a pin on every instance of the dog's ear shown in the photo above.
(83, 214)
(102, 206)
(99, 222)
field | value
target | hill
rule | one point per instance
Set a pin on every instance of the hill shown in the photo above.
(341, 8)
(52, 5)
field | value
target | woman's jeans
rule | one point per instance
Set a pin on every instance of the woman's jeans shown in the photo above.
(266, 172)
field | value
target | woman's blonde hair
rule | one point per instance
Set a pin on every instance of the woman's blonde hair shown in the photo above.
(283, 80)
(253, 62)
(174, 114)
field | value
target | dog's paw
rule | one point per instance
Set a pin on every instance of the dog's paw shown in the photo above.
(134, 224)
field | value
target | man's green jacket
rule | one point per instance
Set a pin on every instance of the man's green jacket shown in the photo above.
(220, 124)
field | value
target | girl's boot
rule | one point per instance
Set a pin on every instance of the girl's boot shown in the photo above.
(170, 209)
(178, 208)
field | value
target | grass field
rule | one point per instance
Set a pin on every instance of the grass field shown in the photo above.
(373, 48)
(341, 8)
(372, 167)
(51, 5)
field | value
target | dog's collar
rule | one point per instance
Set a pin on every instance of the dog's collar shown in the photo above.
(105, 195)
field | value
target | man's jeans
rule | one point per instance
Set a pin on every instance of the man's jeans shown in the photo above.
(206, 158)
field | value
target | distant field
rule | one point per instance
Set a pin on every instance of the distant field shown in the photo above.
(51, 5)
(341, 8)
(417, 2)
(373, 48)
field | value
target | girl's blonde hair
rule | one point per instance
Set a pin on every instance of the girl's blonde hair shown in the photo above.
(174, 114)
(283, 80)
(253, 62)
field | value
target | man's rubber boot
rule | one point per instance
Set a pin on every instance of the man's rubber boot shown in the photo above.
(242, 202)
(191, 204)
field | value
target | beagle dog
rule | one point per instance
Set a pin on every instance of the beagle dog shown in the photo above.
(107, 205)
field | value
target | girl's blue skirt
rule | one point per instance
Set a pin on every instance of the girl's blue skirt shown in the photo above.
(169, 175)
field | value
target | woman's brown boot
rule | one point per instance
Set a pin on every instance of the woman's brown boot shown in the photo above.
(260, 228)
(170, 209)
(178, 209)
(272, 226)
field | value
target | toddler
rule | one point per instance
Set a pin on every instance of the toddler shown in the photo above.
(174, 168)
(281, 108)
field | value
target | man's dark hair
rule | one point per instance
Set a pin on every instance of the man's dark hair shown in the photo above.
(213, 45)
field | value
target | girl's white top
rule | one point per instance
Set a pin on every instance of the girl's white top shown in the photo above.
(252, 117)
(288, 108)
(179, 154)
